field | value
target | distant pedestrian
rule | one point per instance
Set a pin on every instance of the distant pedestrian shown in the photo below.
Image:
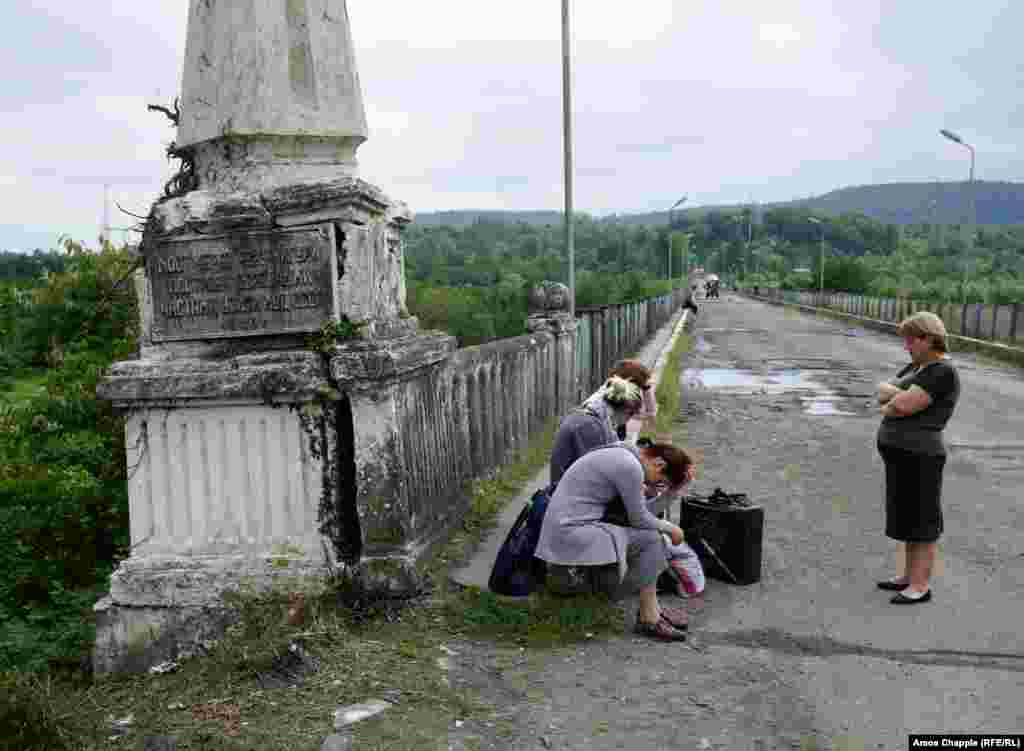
(915, 409)
(689, 302)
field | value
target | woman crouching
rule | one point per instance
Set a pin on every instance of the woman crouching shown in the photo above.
(574, 535)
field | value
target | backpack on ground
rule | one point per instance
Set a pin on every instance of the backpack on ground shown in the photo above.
(516, 571)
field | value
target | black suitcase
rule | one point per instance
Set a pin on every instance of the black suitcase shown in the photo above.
(726, 535)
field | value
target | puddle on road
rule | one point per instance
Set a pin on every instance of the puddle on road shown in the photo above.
(735, 378)
(817, 399)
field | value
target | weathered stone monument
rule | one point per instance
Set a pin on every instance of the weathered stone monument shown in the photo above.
(267, 407)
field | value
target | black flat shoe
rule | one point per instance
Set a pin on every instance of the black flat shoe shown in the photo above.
(902, 599)
(892, 586)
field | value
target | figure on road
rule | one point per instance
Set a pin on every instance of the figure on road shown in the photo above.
(915, 409)
(574, 533)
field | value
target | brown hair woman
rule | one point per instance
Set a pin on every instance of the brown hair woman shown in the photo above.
(915, 409)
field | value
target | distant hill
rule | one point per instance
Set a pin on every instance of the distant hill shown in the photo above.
(893, 203)
(462, 217)
(915, 203)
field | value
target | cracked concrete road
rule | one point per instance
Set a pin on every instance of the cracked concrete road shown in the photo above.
(813, 656)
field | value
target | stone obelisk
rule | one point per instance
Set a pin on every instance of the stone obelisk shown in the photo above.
(271, 95)
(263, 407)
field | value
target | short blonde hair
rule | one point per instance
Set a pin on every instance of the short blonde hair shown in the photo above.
(925, 324)
(618, 392)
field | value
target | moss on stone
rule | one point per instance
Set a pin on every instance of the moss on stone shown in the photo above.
(140, 637)
(389, 533)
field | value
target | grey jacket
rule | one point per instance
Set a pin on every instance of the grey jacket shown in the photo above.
(573, 533)
(585, 429)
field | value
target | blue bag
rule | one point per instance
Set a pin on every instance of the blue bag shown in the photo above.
(516, 572)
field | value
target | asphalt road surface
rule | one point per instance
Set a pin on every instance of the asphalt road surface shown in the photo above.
(813, 656)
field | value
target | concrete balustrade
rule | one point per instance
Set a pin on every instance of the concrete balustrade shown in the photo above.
(470, 413)
(1002, 322)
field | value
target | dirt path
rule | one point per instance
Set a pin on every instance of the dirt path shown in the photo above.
(812, 656)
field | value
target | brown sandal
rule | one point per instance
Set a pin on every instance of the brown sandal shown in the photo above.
(661, 631)
(677, 618)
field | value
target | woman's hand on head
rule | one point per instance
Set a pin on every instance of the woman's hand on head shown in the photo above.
(653, 489)
(676, 534)
(676, 491)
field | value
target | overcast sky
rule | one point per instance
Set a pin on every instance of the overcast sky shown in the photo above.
(721, 100)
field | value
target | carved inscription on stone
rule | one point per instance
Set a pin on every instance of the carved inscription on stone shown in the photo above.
(243, 284)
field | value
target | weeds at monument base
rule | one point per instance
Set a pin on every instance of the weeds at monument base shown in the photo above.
(248, 692)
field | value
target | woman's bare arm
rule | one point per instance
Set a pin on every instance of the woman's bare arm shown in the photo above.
(887, 391)
(909, 402)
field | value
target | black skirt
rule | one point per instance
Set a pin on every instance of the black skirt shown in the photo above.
(913, 495)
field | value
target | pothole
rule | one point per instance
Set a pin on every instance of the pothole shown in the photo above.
(815, 397)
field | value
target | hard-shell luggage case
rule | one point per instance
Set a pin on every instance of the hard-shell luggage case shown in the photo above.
(726, 536)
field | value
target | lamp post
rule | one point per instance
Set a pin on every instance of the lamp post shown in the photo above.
(821, 277)
(677, 203)
(686, 255)
(567, 140)
(974, 209)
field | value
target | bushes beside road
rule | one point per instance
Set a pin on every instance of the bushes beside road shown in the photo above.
(63, 493)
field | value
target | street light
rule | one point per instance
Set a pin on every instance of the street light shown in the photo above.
(677, 203)
(567, 139)
(821, 278)
(974, 208)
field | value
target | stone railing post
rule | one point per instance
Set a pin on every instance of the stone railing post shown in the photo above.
(549, 311)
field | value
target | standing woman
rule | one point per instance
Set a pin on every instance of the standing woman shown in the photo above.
(915, 410)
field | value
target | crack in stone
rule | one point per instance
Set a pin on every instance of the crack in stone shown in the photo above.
(823, 646)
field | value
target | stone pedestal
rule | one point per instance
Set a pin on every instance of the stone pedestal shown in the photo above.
(232, 479)
(263, 452)
(265, 408)
(263, 448)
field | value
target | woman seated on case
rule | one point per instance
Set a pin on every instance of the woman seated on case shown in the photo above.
(574, 533)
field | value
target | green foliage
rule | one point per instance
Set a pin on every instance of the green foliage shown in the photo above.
(544, 620)
(668, 393)
(472, 314)
(63, 492)
(89, 308)
(333, 332)
(23, 266)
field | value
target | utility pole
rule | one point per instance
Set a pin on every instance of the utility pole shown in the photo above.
(567, 136)
(106, 214)
(677, 203)
(821, 278)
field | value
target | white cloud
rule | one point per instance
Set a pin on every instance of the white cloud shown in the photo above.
(778, 34)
